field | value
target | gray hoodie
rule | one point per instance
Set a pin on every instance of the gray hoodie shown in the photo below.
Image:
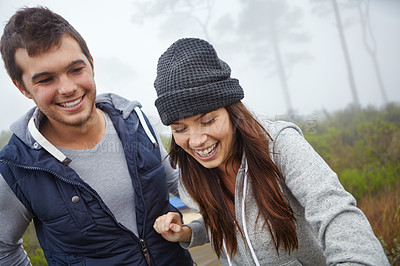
(330, 228)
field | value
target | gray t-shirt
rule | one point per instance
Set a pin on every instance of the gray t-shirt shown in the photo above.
(105, 169)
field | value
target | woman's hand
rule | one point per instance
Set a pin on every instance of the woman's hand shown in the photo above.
(170, 227)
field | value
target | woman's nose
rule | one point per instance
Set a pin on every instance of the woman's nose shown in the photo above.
(197, 139)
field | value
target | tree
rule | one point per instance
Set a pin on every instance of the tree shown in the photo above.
(370, 43)
(343, 43)
(321, 10)
(180, 15)
(265, 27)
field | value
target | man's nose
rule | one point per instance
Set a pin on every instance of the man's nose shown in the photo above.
(66, 86)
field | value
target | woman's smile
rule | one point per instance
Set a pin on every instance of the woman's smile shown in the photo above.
(208, 153)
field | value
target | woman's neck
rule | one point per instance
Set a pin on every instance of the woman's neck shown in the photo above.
(229, 176)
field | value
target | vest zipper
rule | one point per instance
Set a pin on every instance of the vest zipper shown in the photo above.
(145, 251)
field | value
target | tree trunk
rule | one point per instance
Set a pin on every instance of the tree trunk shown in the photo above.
(346, 54)
(371, 49)
(280, 67)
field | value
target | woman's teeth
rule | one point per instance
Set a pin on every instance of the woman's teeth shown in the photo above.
(71, 104)
(206, 152)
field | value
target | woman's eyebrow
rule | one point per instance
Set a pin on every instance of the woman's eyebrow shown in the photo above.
(200, 116)
(197, 118)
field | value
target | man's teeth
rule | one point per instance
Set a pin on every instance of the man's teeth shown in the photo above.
(207, 152)
(71, 104)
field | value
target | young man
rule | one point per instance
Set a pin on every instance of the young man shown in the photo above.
(86, 169)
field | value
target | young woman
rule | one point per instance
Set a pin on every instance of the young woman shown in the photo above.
(265, 196)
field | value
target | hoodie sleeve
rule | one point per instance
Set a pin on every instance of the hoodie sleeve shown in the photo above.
(342, 229)
(14, 219)
(199, 234)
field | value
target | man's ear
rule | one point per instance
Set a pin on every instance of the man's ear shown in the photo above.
(22, 89)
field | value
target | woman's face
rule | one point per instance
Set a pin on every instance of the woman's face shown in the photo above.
(207, 137)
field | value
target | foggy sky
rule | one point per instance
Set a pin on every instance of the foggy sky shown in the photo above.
(126, 53)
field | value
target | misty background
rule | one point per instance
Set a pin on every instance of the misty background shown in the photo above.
(291, 57)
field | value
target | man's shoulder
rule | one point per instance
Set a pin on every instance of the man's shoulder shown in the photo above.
(116, 100)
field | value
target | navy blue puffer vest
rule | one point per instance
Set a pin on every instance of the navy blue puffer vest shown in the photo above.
(73, 225)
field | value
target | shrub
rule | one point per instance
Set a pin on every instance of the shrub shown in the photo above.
(383, 213)
(32, 247)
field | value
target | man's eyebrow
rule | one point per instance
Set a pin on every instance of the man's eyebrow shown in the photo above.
(38, 75)
(79, 61)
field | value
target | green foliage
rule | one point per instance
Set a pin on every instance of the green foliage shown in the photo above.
(393, 254)
(37, 258)
(4, 137)
(31, 245)
(362, 146)
(166, 141)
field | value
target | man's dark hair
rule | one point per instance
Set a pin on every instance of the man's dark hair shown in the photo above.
(37, 30)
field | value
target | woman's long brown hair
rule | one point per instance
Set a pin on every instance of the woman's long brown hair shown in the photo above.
(207, 189)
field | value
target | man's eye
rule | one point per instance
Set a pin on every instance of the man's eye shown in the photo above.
(77, 70)
(46, 80)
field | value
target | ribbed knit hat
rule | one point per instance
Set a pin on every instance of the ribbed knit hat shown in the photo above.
(191, 80)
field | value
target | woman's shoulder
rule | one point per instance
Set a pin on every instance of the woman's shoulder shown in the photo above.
(283, 135)
(276, 128)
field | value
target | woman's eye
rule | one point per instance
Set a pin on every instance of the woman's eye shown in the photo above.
(208, 122)
(179, 130)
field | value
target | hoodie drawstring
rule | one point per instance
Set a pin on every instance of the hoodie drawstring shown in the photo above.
(50, 148)
(145, 127)
(253, 254)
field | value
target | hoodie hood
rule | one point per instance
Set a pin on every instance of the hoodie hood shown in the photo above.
(126, 107)
(20, 127)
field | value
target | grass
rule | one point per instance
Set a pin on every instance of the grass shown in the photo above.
(383, 213)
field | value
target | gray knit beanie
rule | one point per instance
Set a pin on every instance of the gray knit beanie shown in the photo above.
(191, 80)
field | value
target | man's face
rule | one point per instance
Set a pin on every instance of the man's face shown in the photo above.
(60, 82)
